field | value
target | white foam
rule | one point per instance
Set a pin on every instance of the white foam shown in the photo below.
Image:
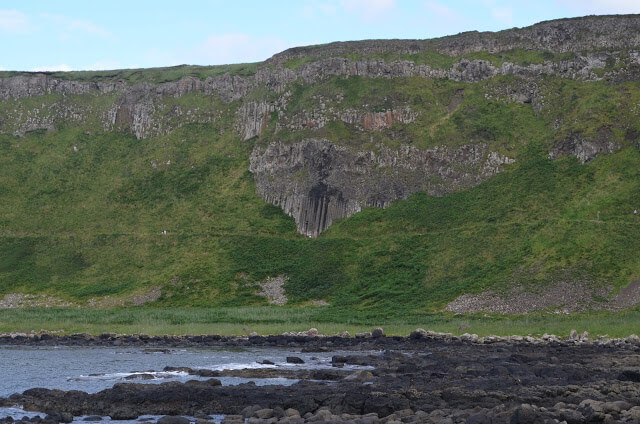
(125, 375)
(239, 366)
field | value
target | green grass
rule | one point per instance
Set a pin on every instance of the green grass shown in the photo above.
(297, 62)
(329, 321)
(152, 75)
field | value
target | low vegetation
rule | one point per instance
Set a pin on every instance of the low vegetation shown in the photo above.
(95, 217)
(276, 320)
(153, 75)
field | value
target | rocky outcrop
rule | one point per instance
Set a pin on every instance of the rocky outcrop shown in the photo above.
(616, 32)
(139, 108)
(320, 116)
(583, 148)
(581, 67)
(317, 182)
(252, 119)
(228, 87)
(35, 85)
(376, 121)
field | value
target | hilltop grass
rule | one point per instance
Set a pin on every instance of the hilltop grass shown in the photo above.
(150, 75)
(329, 321)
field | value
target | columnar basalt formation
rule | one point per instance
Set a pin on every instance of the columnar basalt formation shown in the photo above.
(318, 182)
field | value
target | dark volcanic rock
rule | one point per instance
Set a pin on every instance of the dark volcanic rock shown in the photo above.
(173, 420)
(317, 182)
(430, 379)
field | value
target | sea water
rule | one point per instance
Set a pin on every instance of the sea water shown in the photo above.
(91, 369)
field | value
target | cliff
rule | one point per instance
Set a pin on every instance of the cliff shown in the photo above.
(349, 176)
(514, 152)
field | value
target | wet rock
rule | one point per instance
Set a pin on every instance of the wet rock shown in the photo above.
(264, 413)
(361, 376)
(59, 417)
(171, 419)
(140, 376)
(294, 360)
(250, 410)
(123, 413)
(292, 413)
(632, 414)
(629, 375)
(339, 359)
(571, 416)
(233, 419)
(525, 414)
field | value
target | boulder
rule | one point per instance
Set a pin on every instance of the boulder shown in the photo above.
(377, 333)
(172, 419)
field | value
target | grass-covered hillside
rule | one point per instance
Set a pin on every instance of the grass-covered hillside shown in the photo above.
(97, 217)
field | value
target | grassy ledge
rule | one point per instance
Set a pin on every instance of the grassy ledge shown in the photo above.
(277, 320)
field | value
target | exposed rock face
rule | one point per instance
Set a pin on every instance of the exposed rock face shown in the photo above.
(319, 117)
(582, 148)
(252, 119)
(137, 107)
(581, 67)
(318, 182)
(376, 121)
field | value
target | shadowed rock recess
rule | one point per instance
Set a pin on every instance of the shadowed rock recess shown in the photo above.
(317, 182)
(316, 178)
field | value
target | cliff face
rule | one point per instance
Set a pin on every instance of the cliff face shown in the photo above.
(318, 182)
(326, 144)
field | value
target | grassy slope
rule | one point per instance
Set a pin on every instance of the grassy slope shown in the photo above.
(86, 224)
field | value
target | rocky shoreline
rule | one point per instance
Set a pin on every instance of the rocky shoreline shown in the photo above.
(306, 339)
(426, 377)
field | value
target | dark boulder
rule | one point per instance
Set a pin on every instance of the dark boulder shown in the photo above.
(172, 419)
